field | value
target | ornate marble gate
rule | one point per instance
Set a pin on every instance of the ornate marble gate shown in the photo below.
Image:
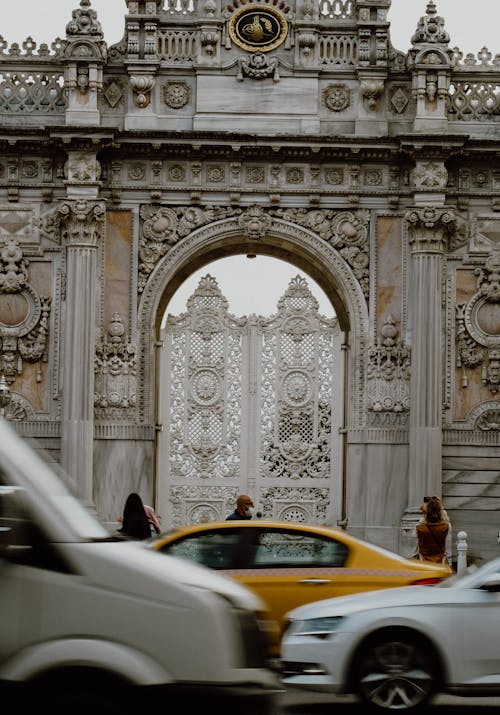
(253, 405)
(124, 168)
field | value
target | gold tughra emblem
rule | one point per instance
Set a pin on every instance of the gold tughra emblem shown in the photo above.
(258, 28)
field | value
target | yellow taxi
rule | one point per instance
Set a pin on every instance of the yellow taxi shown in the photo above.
(289, 564)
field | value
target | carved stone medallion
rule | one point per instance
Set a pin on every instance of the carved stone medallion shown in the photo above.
(337, 97)
(258, 28)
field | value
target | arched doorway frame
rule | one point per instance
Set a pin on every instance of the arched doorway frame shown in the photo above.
(284, 240)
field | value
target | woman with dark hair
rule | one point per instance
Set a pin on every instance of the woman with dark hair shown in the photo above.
(135, 523)
(432, 532)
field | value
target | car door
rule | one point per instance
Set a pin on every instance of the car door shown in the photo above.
(20, 583)
(290, 567)
(480, 623)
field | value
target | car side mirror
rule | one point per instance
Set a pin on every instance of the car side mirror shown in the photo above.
(491, 583)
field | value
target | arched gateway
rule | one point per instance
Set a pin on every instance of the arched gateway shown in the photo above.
(296, 456)
(195, 481)
(207, 132)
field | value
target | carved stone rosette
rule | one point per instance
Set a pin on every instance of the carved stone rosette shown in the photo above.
(24, 315)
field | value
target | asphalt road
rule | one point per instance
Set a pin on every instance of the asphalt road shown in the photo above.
(294, 702)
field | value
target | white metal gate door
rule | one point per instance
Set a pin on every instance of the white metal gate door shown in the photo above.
(250, 405)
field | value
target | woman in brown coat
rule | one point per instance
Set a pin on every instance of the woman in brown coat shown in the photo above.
(432, 533)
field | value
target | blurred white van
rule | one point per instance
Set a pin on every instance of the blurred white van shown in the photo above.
(90, 623)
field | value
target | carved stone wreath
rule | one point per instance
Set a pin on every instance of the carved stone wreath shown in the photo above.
(176, 94)
(337, 97)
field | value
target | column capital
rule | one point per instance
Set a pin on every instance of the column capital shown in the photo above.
(429, 228)
(81, 222)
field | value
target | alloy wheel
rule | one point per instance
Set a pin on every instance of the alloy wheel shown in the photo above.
(395, 675)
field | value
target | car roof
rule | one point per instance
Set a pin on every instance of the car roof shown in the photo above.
(349, 540)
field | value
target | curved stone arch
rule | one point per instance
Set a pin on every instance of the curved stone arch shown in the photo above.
(84, 51)
(283, 239)
(434, 57)
(477, 413)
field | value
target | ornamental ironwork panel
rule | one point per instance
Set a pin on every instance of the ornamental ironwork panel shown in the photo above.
(250, 405)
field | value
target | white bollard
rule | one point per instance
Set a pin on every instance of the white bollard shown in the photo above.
(461, 551)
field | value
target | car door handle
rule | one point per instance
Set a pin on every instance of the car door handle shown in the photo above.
(315, 581)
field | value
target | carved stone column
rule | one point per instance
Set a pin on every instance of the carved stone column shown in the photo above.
(82, 224)
(428, 229)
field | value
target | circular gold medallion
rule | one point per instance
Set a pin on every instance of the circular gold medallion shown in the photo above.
(258, 28)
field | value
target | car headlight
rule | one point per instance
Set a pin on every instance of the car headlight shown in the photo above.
(317, 627)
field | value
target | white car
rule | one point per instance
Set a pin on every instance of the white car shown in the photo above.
(90, 623)
(396, 648)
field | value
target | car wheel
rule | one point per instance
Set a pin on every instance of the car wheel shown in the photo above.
(393, 674)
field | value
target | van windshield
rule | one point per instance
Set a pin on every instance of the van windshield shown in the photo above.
(25, 471)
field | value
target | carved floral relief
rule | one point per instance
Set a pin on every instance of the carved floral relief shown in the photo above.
(24, 315)
(388, 372)
(346, 231)
(478, 326)
(115, 372)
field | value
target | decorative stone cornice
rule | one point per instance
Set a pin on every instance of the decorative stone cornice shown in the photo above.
(81, 222)
(429, 229)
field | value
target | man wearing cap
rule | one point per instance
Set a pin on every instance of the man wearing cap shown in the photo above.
(244, 507)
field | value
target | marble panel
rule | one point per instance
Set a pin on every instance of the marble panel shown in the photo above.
(121, 467)
(288, 96)
(31, 388)
(477, 463)
(40, 276)
(389, 269)
(481, 528)
(118, 257)
(466, 285)
(256, 124)
(377, 488)
(466, 398)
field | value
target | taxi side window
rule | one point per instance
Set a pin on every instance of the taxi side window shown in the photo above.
(289, 548)
(214, 549)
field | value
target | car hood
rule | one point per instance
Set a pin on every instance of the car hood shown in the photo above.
(386, 598)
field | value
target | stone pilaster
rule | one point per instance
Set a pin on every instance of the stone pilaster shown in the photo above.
(82, 224)
(428, 230)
